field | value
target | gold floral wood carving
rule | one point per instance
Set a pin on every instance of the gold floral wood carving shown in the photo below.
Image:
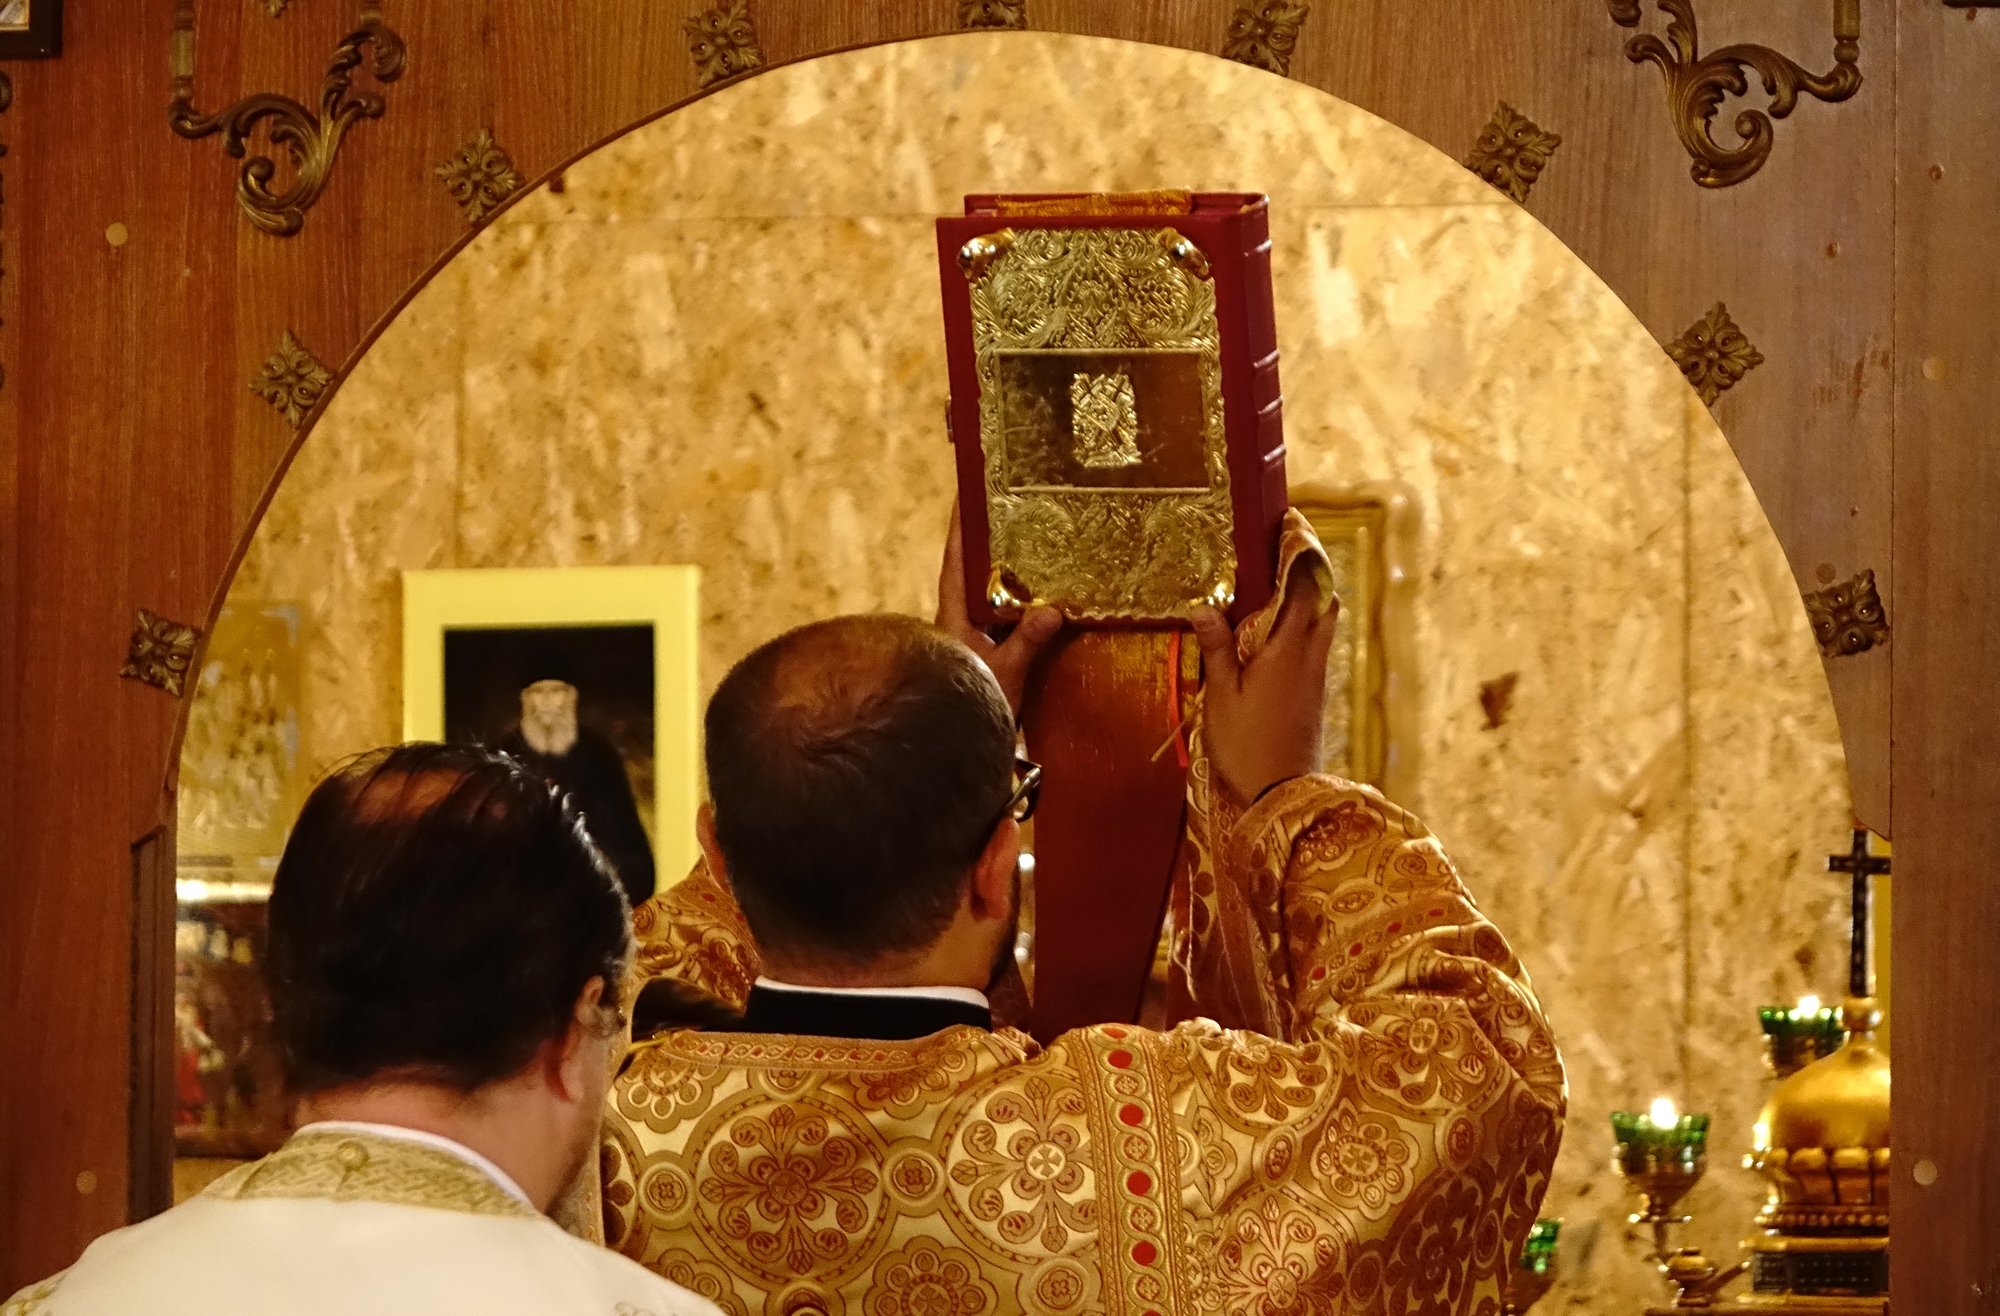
(1511, 151)
(161, 652)
(1696, 84)
(1848, 618)
(1714, 354)
(291, 380)
(1263, 35)
(723, 42)
(1087, 314)
(993, 13)
(480, 176)
(311, 139)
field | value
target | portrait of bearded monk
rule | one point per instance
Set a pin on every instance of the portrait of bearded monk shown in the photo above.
(583, 762)
(1364, 1121)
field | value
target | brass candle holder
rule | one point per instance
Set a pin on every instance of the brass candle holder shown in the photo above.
(1536, 1272)
(1662, 1154)
(1795, 1037)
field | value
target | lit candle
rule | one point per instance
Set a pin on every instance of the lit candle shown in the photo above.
(1797, 1035)
(1659, 1136)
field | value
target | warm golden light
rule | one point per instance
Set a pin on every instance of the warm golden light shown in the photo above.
(1760, 1136)
(1808, 1005)
(1663, 1114)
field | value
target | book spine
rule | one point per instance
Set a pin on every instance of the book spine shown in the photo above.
(1256, 421)
(1261, 339)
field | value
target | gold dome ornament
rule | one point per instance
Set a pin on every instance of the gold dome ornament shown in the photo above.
(1839, 1101)
(1823, 1145)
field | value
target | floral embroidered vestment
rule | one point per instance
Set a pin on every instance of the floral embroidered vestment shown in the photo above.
(1381, 1146)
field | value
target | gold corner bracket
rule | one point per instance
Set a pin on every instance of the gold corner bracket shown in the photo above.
(312, 140)
(1696, 84)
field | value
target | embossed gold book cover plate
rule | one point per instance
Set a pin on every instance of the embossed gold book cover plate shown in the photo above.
(1115, 403)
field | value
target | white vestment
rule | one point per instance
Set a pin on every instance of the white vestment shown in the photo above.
(355, 1220)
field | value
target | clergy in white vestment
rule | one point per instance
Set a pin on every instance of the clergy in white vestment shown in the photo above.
(445, 946)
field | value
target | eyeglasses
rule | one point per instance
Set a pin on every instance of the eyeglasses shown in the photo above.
(1020, 805)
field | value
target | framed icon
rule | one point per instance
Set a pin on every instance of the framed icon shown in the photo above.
(601, 658)
(30, 29)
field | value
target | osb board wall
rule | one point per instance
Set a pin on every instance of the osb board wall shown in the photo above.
(134, 457)
(719, 344)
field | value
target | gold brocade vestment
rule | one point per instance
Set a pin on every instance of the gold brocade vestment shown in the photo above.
(1384, 1150)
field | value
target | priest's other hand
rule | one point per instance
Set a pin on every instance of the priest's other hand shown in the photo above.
(1008, 659)
(1262, 719)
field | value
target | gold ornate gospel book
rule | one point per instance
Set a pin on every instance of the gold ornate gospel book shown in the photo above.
(1114, 402)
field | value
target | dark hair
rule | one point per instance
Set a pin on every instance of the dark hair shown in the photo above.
(436, 914)
(856, 767)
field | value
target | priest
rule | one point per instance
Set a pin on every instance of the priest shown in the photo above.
(445, 948)
(865, 1141)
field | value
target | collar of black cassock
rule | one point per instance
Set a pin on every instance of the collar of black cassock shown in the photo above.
(899, 1018)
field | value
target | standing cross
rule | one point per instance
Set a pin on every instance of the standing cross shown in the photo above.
(1862, 865)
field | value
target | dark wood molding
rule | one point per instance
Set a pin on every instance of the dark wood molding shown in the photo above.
(150, 1171)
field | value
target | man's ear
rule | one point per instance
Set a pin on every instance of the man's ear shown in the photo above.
(711, 850)
(570, 1053)
(993, 874)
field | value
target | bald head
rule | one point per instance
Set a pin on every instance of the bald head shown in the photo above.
(856, 767)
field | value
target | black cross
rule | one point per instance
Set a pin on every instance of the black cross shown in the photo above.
(1861, 865)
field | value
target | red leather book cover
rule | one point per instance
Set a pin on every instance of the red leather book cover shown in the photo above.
(1114, 403)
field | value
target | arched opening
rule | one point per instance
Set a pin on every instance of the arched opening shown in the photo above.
(714, 342)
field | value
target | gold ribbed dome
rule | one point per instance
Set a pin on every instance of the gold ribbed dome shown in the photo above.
(1823, 1139)
(1841, 1101)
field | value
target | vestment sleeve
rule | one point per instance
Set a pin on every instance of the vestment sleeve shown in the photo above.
(1324, 896)
(1397, 1065)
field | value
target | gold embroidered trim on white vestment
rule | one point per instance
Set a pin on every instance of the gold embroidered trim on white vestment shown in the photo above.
(357, 1167)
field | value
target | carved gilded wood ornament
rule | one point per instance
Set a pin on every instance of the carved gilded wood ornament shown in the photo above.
(1264, 35)
(161, 652)
(292, 380)
(1714, 354)
(479, 177)
(1848, 618)
(311, 139)
(723, 42)
(1511, 151)
(993, 13)
(1696, 84)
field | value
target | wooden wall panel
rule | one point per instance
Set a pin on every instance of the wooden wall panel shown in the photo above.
(1947, 487)
(134, 457)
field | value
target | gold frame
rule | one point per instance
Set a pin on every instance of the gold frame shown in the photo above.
(1376, 523)
(665, 597)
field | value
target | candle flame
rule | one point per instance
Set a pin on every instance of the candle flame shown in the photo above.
(1808, 1004)
(1664, 1115)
